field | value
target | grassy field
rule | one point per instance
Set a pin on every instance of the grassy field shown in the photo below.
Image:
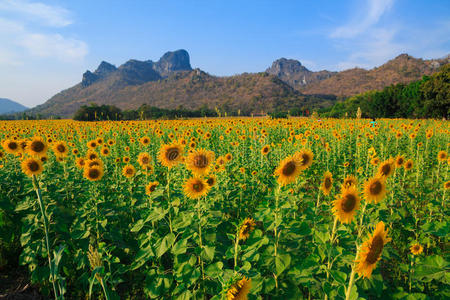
(227, 208)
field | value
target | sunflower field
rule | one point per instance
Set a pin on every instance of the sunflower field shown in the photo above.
(227, 208)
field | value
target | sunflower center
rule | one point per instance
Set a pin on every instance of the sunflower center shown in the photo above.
(327, 182)
(348, 203)
(198, 187)
(375, 249)
(33, 166)
(265, 150)
(13, 146)
(289, 168)
(145, 160)
(93, 163)
(305, 158)
(152, 188)
(172, 153)
(400, 161)
(201, 161)
(129, 171)
(61, 148)
(386, 169)
(37, 146)
(94, 173)
(375, 188)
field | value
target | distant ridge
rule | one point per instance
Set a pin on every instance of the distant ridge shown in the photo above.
(402, 69)
(171, 83)
(8, 106)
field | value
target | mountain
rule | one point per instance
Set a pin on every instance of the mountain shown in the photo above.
(171, 83)
(295, 74)
(402, 69)
(8, 106)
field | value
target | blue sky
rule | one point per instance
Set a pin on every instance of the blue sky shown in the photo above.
(45, 46)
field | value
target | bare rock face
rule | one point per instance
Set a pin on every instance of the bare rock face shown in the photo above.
(173, 61)
(88, 78)
(295, 74)
(104, 69)
(287, 67)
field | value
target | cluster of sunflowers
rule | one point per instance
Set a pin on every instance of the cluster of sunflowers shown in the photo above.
(239, 207)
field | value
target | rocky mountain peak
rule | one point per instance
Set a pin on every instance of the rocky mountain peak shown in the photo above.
(286, 67)
(173, 61)
(105, 68)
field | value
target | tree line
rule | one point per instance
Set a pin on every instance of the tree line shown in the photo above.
(425, 98)
(96, 112)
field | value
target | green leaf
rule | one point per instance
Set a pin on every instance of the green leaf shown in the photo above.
(432, 267)
(208, 252)
(214, 270)
(282, 261)
(339, 276)
(180, 247)
(166, 243)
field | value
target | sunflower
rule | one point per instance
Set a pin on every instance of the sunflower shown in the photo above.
(399, 161)
(265, 150)
(11, 146)
(442, 156)
(199, 161)
(327, 183)
(306, 158)
(288, 170)
(92, 144)
(128, 171)
(228, 157)
(60, 149)
(37, 147)
(91, 154)
(349, 181)
(211, 180)
(94, 173)
(346, 204)
(170, 155)
(375, 189)
(145, 140)
(371, 251)
(408, 165)
(447, 185)
(220, 161)
(247, 226)
(105, 151)
(93, 162)
(79, 162)
(386, 168)
(32, 166)
(144, 159)
(240, 289)
(374, 161)
(196, 187)
(151, 187)
(416, 249)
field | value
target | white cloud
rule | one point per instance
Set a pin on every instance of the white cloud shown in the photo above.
(54, 45)
(37, 11)
(362, 22)
(19, 38)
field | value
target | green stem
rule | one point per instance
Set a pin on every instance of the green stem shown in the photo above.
(41, 205)
(236, 244)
